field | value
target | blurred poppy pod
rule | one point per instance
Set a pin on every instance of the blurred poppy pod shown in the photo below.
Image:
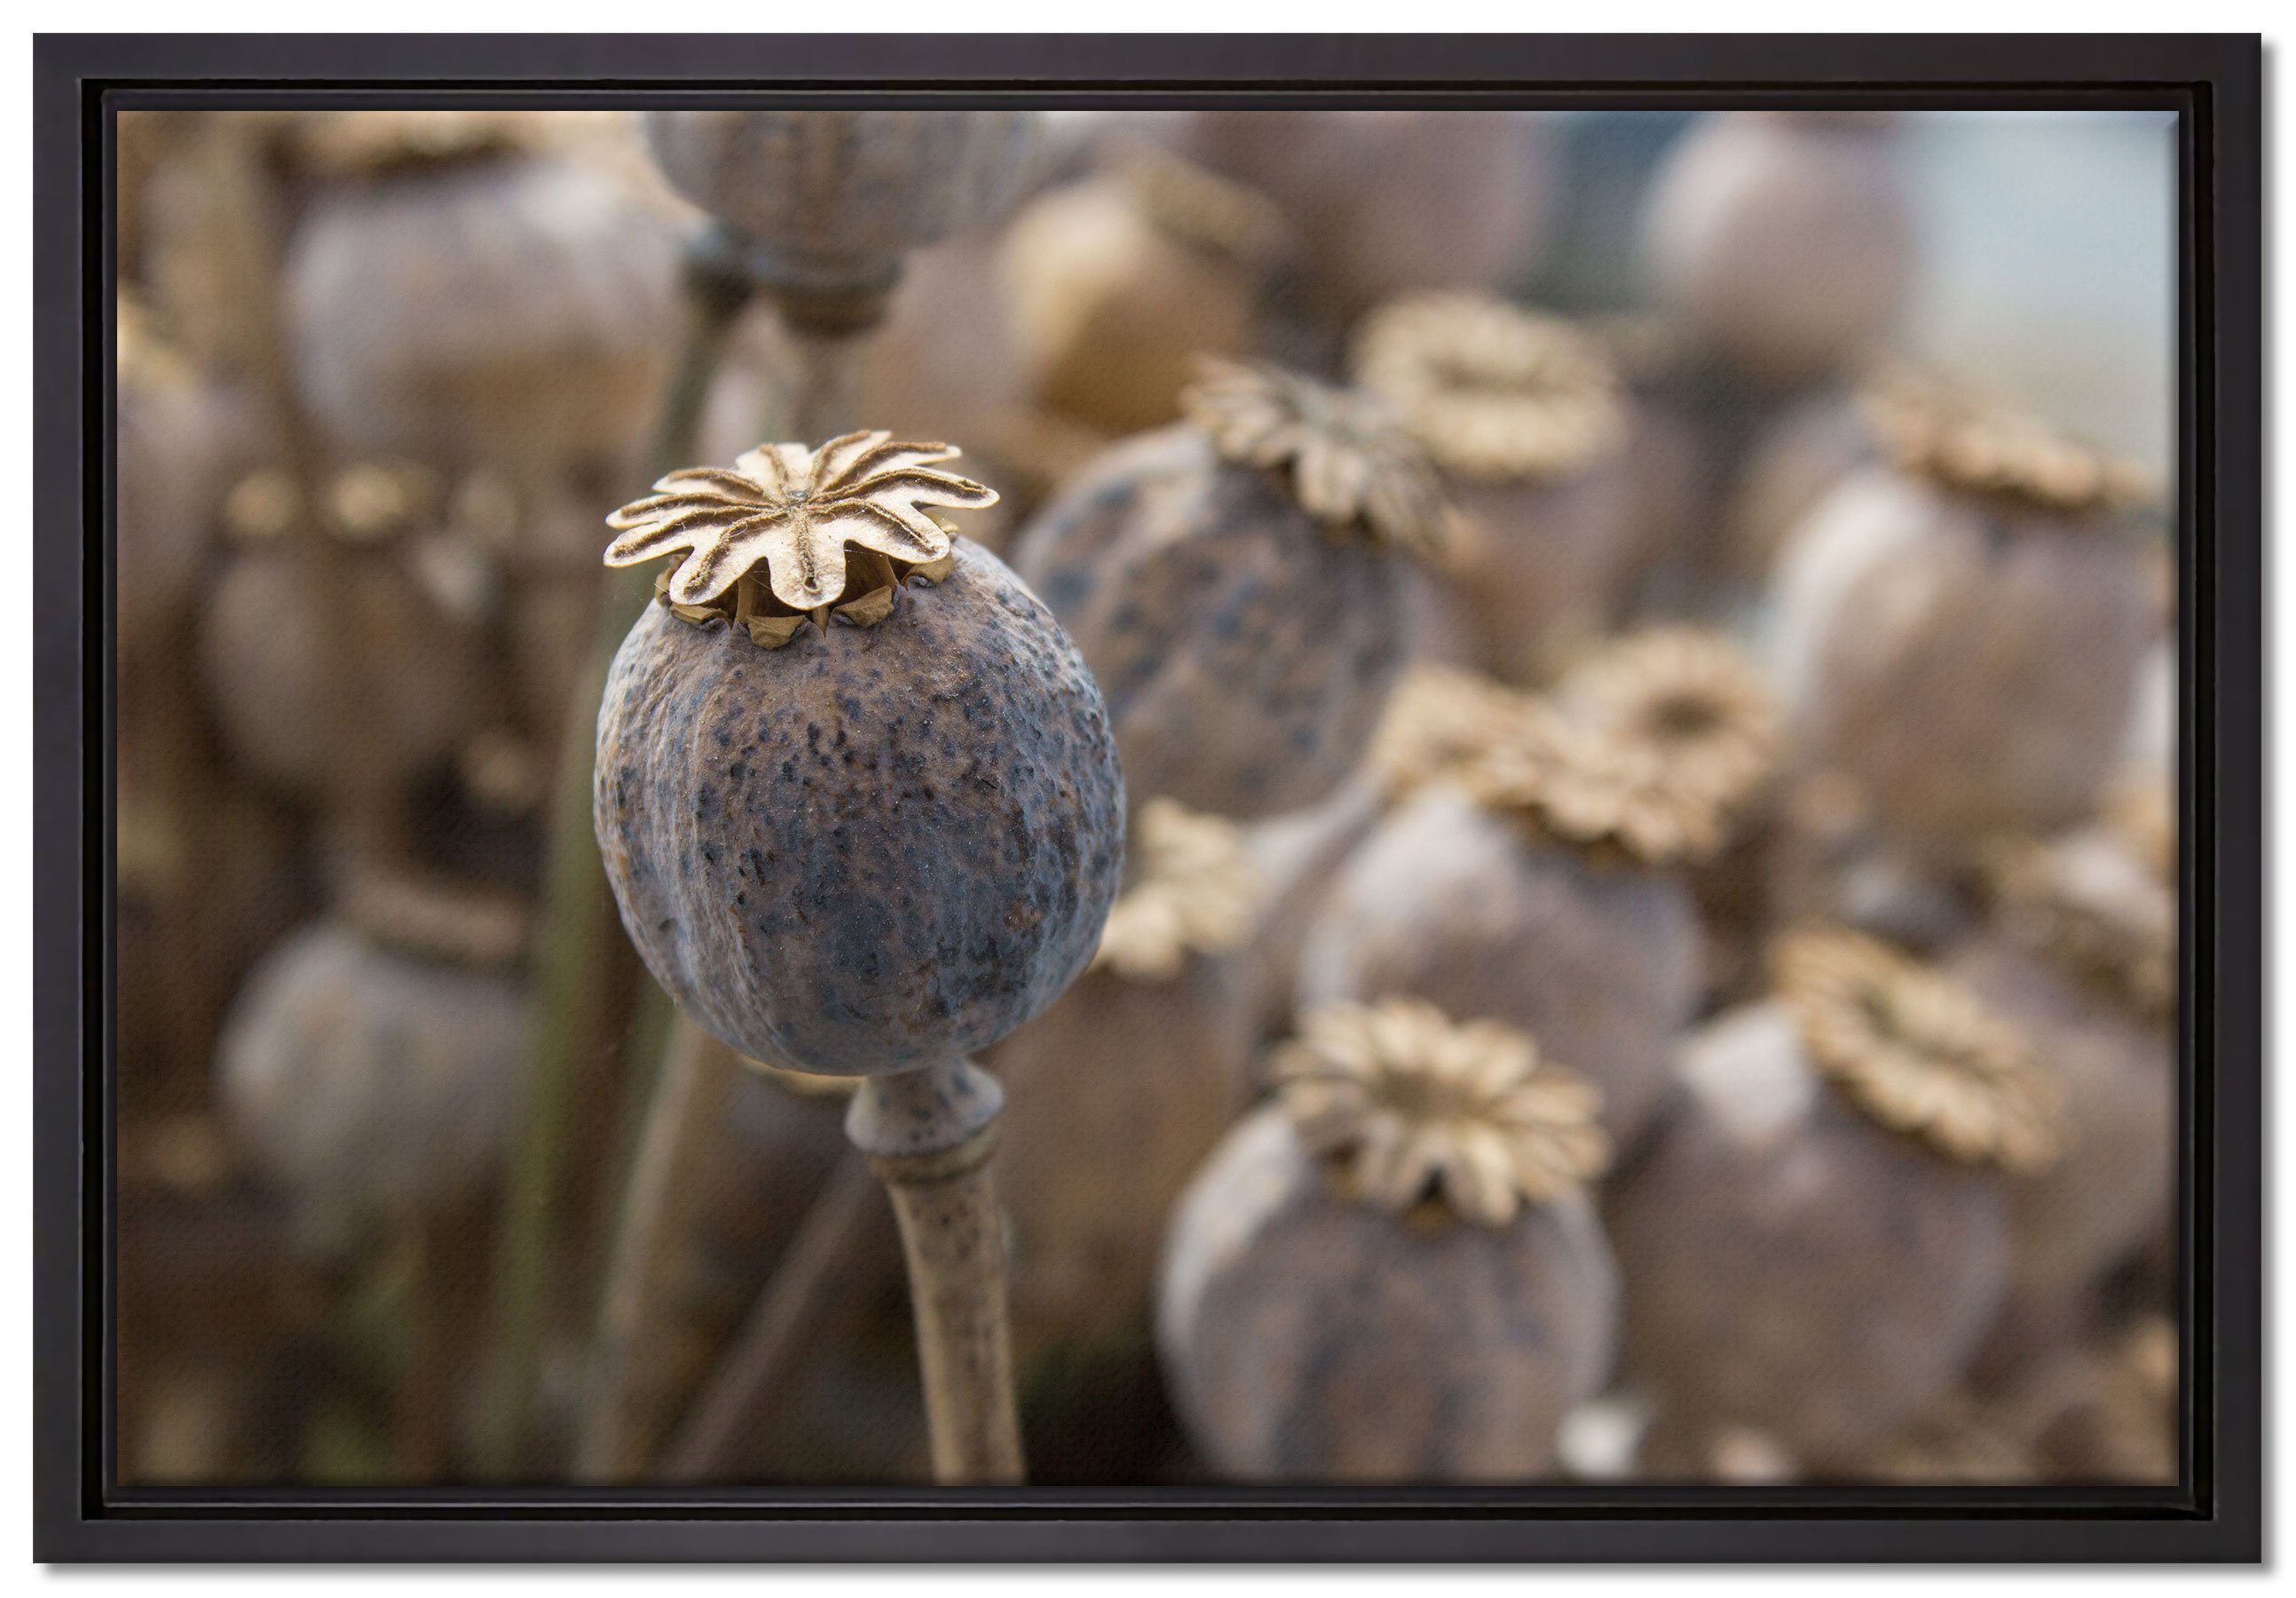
(1525, 417)
(1119, 282)
(181, 440)
(1240, 584)
(494, 305)
(1137, 1069)
(1391, 1272)
(369, 1066)
(1961, 632)
(2080, 953)
(832, 199)
(855, 790)
(1782, 241)
(1818, 1237)
(1385, 201)
(1535, 878)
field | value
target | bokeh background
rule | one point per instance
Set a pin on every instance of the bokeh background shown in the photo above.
(382, 375)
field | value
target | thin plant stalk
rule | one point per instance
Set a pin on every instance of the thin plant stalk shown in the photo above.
(928, 1135)
(581, 957)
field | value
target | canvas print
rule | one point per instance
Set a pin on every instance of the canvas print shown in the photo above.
(1145, 797)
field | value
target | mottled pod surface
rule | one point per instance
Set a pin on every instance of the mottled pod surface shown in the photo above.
(1244, 651)
(1472, 910)
(874, 849)
(1790, 1264)
(1307, 1337)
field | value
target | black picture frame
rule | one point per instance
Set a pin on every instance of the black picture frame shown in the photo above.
(2215, 82)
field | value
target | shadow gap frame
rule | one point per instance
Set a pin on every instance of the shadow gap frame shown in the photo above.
(2214, 81)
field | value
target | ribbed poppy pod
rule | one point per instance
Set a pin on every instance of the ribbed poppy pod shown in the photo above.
(1386, 201)
(855, 791)
(1241, 585)
(1525, 417)
(1120, 1090)
(368, 1068)
(492, 305)
(832, 199)
(1961, 633)
(338, 663)
(1120, 281)
(1784, 240)
(1536, 880)
(2081, 954)
(1390, 1272)
(1818, 1237)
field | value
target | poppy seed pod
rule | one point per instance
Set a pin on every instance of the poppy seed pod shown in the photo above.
(855, 790)
(1138, 1068)
(1782, 241)
(506, 311)
(1817, 1240)
(179, 442)
(833, 199)
(1389, 1273)
(1386, 201)
(371, 1078)
(1535, 881)
(1525, 417)
(1961, 633)
(1239, 585)
(1119, 282)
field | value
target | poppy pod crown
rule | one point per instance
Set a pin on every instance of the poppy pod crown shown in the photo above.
(792, 534)
(1411, 1108)
(1974, 444)
(1195, 891)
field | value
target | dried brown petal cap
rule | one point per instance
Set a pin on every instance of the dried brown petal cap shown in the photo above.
(1976, 444)
(1196, 892)
(1918, 1052)
(1596, 788)
(1412, 1106)
(2090, 904)
(1347, 462)
(1495, 393)
(1441, 717)
(837, 530)
(1694, 696)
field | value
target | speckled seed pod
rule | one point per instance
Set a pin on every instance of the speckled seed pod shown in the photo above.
(1386, 201)
(2082, 955)
(1784, 240)
(371, 1084)
(1961, 634)
(1389, 1273)
(1138, 1068)
(337, 695)
(835, 198)
(512, 310)
(1814, 1242)
(1118, 283)
(1238, 586)
(856, 823)
(1524, 415)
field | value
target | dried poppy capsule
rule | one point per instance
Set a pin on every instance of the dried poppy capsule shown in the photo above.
(1524, 415)
(1119, 282)
(1389, 1273)
(369, 1066)
(1817, 1240)
(1238, 583)
(337, 663)
(468, 300)
(1386, 201)
(1121, 1088)
(833, 199)
(2081, 954)
(1536, 880)
(1961, 633)
(1783, 240)
(856, 823)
